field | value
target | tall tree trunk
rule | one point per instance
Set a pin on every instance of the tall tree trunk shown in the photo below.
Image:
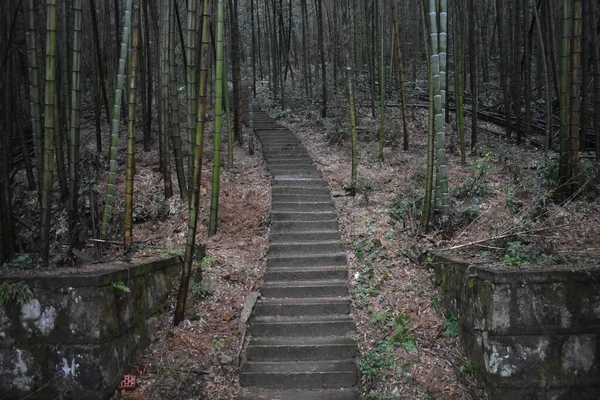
(75, 117)
(563, 165)
(114, 133)
(473, 73)
(402, 93)
(130, 169)
(49, 126)
(219, 86)
(574, 123)
(319, 6)
(190, 248)
(596, 55)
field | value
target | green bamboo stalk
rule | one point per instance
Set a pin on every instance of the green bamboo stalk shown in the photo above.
(219, 85)
(351, 103)
(563, 162)
(165, 116)
(114, 131)
(381, 80)
(400, 74)
(34, 91)
(197, 169)
(130, 169)
(438, 61)
(191, 48)
(229, 122)
(527, 55)
(575, 106)
(548, 91)
(66, 92)
(460, 81)
(175, 132)
(49, 124)
(75, 114)
(596, 56)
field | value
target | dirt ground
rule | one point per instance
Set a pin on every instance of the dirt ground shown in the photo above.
(409, 347)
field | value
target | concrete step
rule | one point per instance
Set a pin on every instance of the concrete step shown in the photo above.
(305, 237)
(268, 126)
(307, 260)
(300, 349)
(306, 273)
(304, 289)
(298, 182)
(302, 216)
(278, 159)
(300, 375)
(303, 206)
(303, 226)
(307, 191)
(323, 394)
(292, 165)
(300, 197)
(293, 162)
(296, 173)
(310, 326)
(303, 248)
(292, 307)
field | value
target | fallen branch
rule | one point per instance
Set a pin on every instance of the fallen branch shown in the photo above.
(477, 242)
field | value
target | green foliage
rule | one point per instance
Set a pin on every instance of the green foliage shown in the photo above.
(407, 206)
(208, 261)
(466, 368)
(18, 292)
(514, 254)
(219, 343)
(548, 173)
(364, 186)
(120, 286)
(469, 214)
(199, 291)
(475, 185)
(450, 325)
(435, 303)
(21, 262)
(334, 133)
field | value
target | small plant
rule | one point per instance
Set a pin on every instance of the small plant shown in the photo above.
(466, 368)
(208, 261)
(469, 214)
(364, 186)
(121, 287)
(450, 325)
(219, 343)
(435, 303)
(23, 262)
(475, 186)
(199, 291)
(18, 292)
(514, 254)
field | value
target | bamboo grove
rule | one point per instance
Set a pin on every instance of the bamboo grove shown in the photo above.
(150, 71)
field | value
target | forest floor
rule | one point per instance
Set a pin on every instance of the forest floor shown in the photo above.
(502, 192)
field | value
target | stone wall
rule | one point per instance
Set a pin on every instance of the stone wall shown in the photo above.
(78, 334)
(531, 334)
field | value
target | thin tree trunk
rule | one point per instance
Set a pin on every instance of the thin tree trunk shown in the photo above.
(114, 134)
(75, 117)
(402, 93)
(190, 248)
(130, 169)
(49, 126)
(596, 55)
(319, 6)
(574, 123)
(218, 126)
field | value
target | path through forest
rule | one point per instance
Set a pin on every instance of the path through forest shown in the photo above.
(299, 346)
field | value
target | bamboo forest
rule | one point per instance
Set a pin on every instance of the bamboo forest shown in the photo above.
(300, 200)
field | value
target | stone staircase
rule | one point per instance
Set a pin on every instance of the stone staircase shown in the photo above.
(299, 348)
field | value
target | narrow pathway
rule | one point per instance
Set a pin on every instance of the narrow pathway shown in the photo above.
(299, 348)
